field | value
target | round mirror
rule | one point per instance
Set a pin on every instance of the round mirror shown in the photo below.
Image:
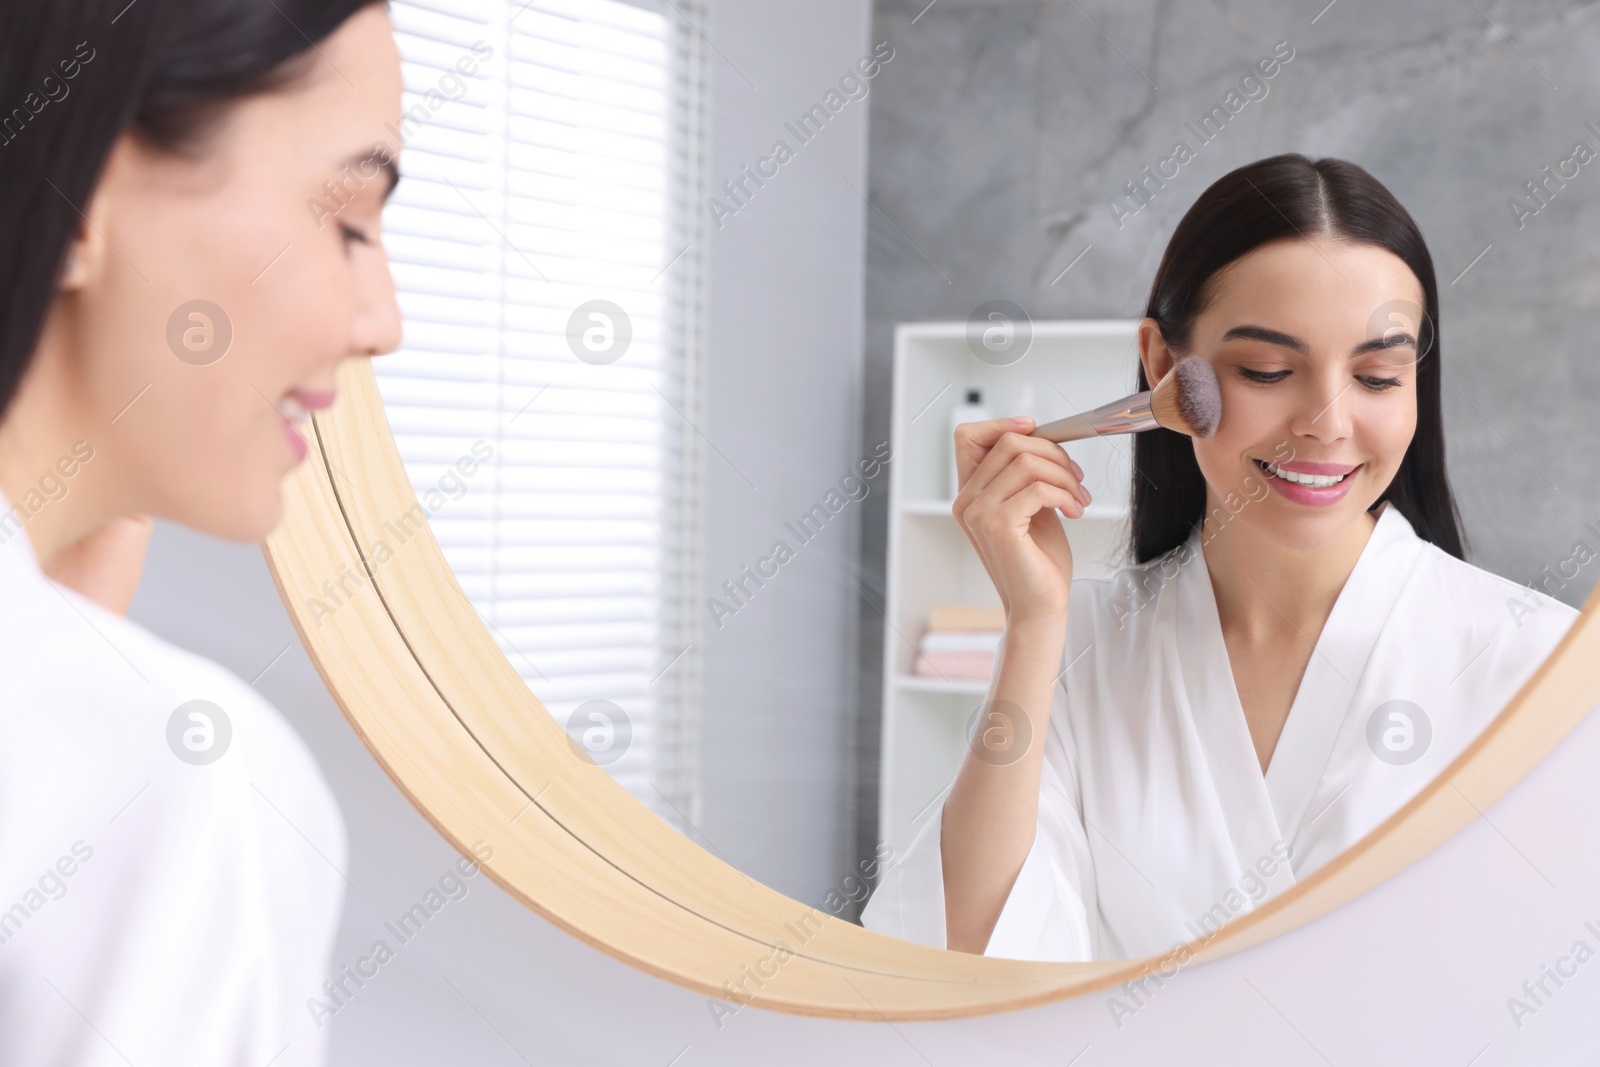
(759, 625)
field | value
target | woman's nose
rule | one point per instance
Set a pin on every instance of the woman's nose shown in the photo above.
(376, 330)
(1325, 412)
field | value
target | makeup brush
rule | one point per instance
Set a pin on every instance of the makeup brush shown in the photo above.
(1186, 400)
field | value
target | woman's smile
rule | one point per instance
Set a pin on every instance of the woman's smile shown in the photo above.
(1308, 482)
(295, 411)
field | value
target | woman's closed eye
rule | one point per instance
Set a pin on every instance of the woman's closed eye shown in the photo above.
(1373, 382)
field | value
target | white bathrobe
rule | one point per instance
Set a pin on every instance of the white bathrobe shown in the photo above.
(152, 910)
(1156, 824)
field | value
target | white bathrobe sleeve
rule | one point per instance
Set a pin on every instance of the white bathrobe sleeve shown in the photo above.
(1050, 911)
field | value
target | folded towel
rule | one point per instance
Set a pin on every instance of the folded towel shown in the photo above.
(961, 641)
(966, 617)
(962, 666)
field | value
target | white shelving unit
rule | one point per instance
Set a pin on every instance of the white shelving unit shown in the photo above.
(1073, 366)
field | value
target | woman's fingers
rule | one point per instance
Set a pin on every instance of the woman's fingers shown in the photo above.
(1030, 549)
(1020, 509)
(1033, 466)
(1011, 466)
(1028, 469)
(975, 439)
(1017, 510)
(984, 449)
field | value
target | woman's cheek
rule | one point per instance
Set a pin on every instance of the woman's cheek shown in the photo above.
(297, 347)
(324, 327)
(1388, 435)
(1218, 462)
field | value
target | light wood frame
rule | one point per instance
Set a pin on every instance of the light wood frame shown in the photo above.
(424, 684)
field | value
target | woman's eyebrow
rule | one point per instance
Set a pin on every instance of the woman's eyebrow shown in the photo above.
(383, 160)
(1271, 337)
(1278, 337)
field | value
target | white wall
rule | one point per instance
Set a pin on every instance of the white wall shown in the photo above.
(784, 419)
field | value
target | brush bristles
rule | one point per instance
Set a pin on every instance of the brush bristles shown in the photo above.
(1189, 400)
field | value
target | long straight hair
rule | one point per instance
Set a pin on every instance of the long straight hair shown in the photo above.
(76, 74)
(1286, 196)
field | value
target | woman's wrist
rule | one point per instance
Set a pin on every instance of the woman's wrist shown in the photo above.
(1030, 656)
(1031, 629)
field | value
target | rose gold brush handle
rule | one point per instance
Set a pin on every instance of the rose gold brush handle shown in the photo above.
(1122, 416)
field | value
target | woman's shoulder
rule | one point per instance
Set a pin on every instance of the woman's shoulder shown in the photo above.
(96, 667)
(1455, 582)
(158, 817)
(1463, 605)
(95, 701)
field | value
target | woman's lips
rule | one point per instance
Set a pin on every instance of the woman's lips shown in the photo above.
(295, 411)
(314, 399)
(296, 442)
(1310, 495)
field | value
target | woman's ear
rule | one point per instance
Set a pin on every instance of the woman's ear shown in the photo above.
(87, 253)
(82, 256)
(1153, 352)
(73, 270)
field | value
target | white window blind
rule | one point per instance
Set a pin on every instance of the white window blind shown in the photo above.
(554, 157)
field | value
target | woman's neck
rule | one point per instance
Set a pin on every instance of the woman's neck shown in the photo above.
(37, 447)
(1262, 586)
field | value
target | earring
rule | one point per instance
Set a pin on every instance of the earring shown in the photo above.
(72, 262)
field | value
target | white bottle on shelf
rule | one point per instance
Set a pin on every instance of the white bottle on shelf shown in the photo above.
(969, 410)
(1025, 402)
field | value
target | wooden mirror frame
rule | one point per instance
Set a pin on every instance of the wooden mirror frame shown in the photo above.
(420, 678)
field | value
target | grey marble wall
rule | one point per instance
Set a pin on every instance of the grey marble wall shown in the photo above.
(1004, 128)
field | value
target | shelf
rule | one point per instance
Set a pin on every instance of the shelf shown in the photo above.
(917, 683)
(1092, 513)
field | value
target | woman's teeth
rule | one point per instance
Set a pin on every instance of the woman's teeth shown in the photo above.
(296, 412)
(1315, 481)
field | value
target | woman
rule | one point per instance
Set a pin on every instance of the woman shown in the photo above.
(1299, 647)
(170, 856)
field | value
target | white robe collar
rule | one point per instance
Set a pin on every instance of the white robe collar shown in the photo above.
(1271, 808)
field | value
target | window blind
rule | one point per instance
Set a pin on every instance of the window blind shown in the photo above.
(549, 263)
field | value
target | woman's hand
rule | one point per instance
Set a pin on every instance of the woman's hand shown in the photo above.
(1011, 485)
(106, 563)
